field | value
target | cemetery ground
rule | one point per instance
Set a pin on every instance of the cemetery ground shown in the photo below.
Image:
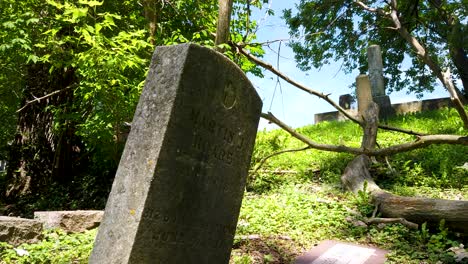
(295, 200)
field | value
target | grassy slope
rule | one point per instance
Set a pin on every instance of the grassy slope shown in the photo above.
(285, 214)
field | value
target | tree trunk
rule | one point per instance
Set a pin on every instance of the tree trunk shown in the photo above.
(151, 8)
(224, 19)
(460, 59)
(38, 156)
(422, 53)
(417, 210)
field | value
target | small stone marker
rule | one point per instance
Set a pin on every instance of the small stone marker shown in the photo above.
(178, 189)
(363, 92)
(345, 101)
(334, 252)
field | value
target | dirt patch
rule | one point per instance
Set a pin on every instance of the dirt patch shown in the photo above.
(272, 249)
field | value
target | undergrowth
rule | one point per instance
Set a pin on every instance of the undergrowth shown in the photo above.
(295, 201)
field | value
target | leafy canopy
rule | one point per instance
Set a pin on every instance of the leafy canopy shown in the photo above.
(327, 31)
(108, 45)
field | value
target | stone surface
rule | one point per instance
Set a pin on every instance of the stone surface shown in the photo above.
(400, 109)
(363, 92)
(16, 231)
(70, 221)
(374, 59)
(335, 252)
(178, 189)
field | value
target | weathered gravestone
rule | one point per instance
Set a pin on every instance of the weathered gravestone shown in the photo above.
(178, 189)
(363, 92)
(377, 82)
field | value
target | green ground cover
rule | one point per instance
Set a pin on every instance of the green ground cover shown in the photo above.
(295, 200)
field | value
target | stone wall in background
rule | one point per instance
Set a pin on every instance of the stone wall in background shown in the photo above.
(400, 109)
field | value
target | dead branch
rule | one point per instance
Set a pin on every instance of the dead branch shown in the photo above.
(402, 221)
(405, 131)
(316, 93)
(420, 142)
(270, 117)
(38, 99)
(260, 164)
(298, 85)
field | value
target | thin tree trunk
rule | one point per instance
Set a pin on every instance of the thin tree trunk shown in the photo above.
(444, 78)
(460, 59)
(37, 156)
(224, 19)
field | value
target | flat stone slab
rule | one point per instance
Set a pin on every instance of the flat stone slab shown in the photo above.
(335, 252)
(16, 231)
(70, 221)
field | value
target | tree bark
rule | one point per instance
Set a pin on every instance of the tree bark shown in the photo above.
(224, 19)
(460, 59)
(421, 52)
(38, 156)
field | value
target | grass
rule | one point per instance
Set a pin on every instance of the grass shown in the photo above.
(295, 200)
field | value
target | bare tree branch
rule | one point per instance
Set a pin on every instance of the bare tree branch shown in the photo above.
(298, 85)
(316, 93)
(401, 130)
(420, 142)
(276, 154)
(270, 117)
(402, 221)
(370, 9)
(38, 99)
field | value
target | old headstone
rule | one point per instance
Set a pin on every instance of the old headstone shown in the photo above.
(374, 59)
(377, 82)
(178, 189)
(363, 92)
(335, 252)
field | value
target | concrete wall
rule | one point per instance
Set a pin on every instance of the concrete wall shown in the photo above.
(400, 109)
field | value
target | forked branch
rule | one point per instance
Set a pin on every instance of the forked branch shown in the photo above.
(308, 90)
(420, 142)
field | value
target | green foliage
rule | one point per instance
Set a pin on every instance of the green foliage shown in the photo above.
(363, 201)
(321, 211)
(107, 47)
(328, 31)
(56, 247)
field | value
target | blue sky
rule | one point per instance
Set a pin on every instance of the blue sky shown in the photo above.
(295, 107)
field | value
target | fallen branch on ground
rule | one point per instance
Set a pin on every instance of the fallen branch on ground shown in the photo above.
(402, 221)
